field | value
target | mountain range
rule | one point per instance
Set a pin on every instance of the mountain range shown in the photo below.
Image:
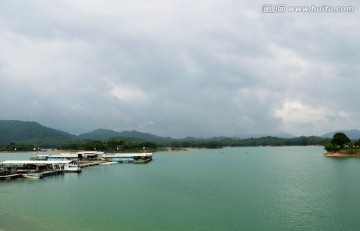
(105, 134)
(279, 134)
(15, 131)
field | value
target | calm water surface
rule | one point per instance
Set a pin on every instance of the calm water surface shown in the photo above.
(260, 188)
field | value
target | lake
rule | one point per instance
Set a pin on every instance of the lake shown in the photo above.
(252, 188)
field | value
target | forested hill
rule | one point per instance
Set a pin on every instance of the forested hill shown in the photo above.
(14, 131)
(104, 134)
(21, 132)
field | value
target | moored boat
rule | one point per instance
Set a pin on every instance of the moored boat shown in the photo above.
(72, 167)
(32, 175)
(108, 163)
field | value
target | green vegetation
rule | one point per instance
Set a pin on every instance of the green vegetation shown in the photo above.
(132, 144)
(112, 145)
(341, 143)
(17, 147)
(250, 142)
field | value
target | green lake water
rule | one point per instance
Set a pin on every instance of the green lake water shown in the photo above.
(257, 188)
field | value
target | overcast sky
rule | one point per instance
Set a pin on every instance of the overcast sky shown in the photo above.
(179, 67)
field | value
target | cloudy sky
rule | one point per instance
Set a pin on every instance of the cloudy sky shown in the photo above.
(178, 67)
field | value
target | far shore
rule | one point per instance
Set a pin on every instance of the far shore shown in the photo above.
(66, 151)
(341, 154)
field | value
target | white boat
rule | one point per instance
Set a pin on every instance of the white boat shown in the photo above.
(71, 167)
(34, 176)
(108, 163)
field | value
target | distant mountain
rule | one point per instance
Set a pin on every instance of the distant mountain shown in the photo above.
(189, 138)
(279, 135)
(99, 134)
(145, 136)
(14, 131)
(353, 134)
(105, 134)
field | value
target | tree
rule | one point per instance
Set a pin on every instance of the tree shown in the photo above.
(329, 147)
(339, 140)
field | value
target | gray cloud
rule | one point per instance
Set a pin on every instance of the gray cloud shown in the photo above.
(178, 68)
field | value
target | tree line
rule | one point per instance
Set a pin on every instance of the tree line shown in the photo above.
(112, 145)
(250, 142)
(18, 147)
(131, 144)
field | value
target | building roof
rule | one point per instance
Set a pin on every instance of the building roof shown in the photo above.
(91, 153)
(129, 154)
(63, 155)
(34, 162)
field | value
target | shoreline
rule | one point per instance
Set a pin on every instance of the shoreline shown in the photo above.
(341, 154)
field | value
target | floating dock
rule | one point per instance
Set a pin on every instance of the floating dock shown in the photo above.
(33, 169)
(10, 177)
(84, 164)
(47, 165)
